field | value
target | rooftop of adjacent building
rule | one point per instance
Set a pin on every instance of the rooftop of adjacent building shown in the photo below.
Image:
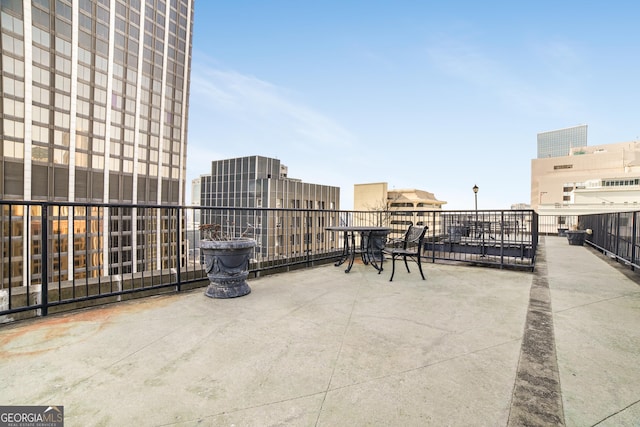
(618, 147)
(570, 128)
(378, 195)
(413, 195)
(468, 346)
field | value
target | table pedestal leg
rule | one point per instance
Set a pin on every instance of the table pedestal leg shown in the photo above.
(375, 244)
(352, 255)
(348, 251)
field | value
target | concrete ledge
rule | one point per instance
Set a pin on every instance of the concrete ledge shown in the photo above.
(537, 398)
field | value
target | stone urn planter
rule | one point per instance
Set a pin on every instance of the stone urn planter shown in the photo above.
(227, 266)
(576, 237)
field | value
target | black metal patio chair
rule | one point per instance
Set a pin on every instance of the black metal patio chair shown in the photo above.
(409, 247)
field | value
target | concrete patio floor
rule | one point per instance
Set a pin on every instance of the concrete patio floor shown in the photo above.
(319, 347)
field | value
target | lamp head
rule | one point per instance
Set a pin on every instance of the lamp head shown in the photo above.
(475, 189)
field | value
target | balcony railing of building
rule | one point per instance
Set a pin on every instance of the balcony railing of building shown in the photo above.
(556, 224)
(61, 256)
(616, 234)
(503, 238)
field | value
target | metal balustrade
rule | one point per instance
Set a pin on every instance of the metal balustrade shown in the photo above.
(61, 256)
(553, 225)
(616, 234)
(503, 238)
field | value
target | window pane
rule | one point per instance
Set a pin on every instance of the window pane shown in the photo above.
(61, 157)
(8, 85)
(13, 149)
(39, 154)
(81, 159)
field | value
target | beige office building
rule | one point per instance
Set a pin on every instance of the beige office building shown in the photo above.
(376, 196)
(591, 179)
(404, 206)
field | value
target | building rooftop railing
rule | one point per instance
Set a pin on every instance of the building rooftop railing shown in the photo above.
(61, 256)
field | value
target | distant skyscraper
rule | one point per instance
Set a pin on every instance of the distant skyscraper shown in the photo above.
(94, 109)
(256, 182)
(556, 143)
(262, 182)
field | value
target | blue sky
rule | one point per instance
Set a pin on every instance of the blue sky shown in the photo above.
(437, 96)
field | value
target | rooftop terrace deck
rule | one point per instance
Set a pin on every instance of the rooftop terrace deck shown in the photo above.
(468, 346)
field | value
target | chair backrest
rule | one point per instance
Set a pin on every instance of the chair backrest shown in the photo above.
(414, 236)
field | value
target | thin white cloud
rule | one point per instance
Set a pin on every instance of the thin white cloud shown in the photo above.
(269, 109)
(562, 60)
(470, 64)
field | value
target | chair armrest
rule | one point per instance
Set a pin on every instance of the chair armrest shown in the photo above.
(394, 243)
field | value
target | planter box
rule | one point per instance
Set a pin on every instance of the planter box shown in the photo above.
(576, 237)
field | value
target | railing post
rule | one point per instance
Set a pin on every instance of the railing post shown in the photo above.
(617, 250)
(433, 235)
(501, 239)
(307, 237)
(44, 287)
(634, 218)
(179, 244)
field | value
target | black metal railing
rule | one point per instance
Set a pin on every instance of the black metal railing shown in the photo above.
(59, 256)
(616, 234)
(556, 224)
(504, 238)
(60, 253)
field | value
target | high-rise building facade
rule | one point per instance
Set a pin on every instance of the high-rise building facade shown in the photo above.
(95, 100)
(263, 182)
(94, 109)
(595, 179)
(556, 143)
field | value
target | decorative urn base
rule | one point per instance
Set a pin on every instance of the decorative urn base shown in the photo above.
(227, 266)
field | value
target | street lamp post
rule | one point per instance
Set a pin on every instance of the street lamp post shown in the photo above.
(475, 193)
(481, 229)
